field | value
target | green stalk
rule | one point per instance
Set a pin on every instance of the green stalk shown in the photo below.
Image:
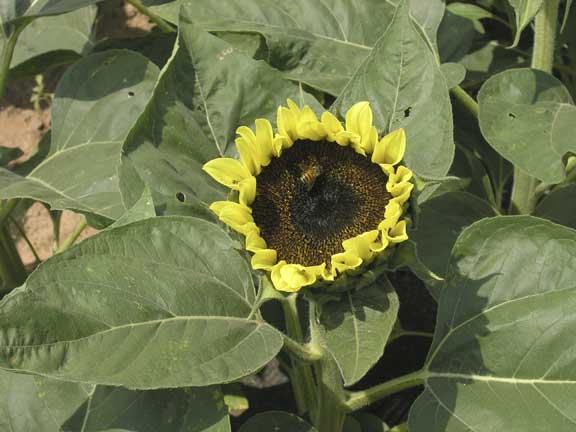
(360, 399)
(302, 379)
(13, 270)
(162, 25)
(7, 54)
(331, 410)
(523, 197)
(301, 351)
(466, 100)
(6, 208)
(25, 237)
(73, 236)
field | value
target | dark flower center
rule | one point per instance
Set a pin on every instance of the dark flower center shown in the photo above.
(313, 197)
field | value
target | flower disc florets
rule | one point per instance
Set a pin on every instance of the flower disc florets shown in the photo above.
(315, 199)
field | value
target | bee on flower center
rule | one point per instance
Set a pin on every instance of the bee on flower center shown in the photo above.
(310, 170)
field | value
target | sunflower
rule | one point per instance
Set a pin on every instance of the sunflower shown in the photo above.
(316, 198)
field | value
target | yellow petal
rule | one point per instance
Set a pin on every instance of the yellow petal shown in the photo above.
(345, 261)
(264, 141)
(247, 190)
(359, 121)
(297, 276)
(217, 206)
(227, 171)
(264, 259)
(401, 192)
(390, 149)
(332, 125)
(238, 217)
(392, 213)
(287, 124)
(254, 242)
(360, 245)
(398, 233)
(402, 175)
(248, 153)
(279, 283)
(380, 243)
(293, 107)
(309, 127)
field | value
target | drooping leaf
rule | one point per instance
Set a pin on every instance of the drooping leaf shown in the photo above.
(356, 328)
(277, 421)
(90, 119)
(502, 356)
(559, 206)
(146, 305)
(403, 81)
(441, 221)
(54, 38)
(318, 43)
(529, 117)
(456, 36)
(207, 90)
(525, 11)
(38, 404)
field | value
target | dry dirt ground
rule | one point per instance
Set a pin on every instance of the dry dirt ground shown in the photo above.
(23, 126)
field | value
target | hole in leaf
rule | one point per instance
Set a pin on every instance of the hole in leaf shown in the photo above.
(130, 93)
(407, 112)
(512, 115)
(181, 197)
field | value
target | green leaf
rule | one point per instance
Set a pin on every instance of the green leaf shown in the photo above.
(529, 117)
(318, 43)
(406, 88)
(356, 328)
(90, 120)
(470, 11)
(566, 14)
(559, 206)
(277, 421)
(441, 221)
(8, 154)
(351, 425)
(12, 10)
(454, 73)
(502, 356)
(142, 209)
(71, 32)
(43, 405)
(484, 59)
(207, 90)
(525, 11)
(146, 305)
(370, 423)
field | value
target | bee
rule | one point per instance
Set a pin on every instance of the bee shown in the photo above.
(310, 170)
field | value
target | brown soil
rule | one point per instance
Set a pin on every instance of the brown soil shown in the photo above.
(22, 126)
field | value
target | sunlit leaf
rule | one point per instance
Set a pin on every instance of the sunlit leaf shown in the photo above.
(146, 305)
(525, 11)
(502, 356)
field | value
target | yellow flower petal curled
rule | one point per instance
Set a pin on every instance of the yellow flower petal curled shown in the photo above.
(247, 189)
(227, 171)
(264, 259)
(359, 121)
(390, 149)
(398, 233)
(317, 197)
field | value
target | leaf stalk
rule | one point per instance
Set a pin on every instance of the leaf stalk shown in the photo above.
(162, 25)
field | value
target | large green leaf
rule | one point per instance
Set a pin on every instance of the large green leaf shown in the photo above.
(320, 43)
(356, 328)
(502, 358)
(146, 305)
(441, 221)
(12, 10)
(403, 81)
(559, 206)
(64, 36)
(525, 11)
(90, 120)
(529, 118)
(277, 421)
(38, 404)
(207, 90)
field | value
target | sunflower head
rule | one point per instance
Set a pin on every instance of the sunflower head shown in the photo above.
(317, 198)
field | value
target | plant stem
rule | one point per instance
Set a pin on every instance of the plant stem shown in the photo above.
(301, 351)
(13, 271)
(360, 399)
(302, 380)
(7, 54)
(73, 236)
(523, 198)
(162, 25)
(402, 333)
(466, 100)
(6, 208)
(25, 237)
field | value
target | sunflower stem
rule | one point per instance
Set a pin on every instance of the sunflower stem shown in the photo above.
(362, 398)
(523, 197)
(302, 379)
(303, 352)
(466, 100)
(73, 236)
